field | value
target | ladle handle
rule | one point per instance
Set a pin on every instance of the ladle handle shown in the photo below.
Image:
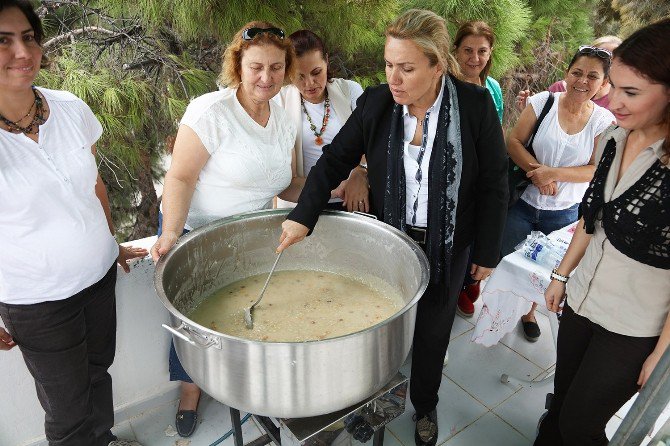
(267, 281)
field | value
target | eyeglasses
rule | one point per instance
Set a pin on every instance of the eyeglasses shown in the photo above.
(250, 33)
(594, 50)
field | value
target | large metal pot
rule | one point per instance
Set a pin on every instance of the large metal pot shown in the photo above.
(290, 379)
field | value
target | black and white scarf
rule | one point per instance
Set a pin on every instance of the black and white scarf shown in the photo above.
(444, 178)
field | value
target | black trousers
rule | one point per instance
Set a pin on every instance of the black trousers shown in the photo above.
(431, 335)
(596, 373)
(68, 346)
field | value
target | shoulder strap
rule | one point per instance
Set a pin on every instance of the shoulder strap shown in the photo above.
(543, 114)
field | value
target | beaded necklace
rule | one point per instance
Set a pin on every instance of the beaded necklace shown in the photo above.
(38, 119)
(326, 114)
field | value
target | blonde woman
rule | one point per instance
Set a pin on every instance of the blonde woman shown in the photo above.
(233, 154)
(437, 170)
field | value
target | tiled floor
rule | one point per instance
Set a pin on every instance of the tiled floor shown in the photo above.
(475, 407)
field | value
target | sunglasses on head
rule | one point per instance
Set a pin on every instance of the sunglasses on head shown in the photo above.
(250, 33)
(600, 52)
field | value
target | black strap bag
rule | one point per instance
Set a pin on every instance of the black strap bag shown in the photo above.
(516, 176)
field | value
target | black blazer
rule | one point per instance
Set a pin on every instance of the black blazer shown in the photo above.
(483, 192)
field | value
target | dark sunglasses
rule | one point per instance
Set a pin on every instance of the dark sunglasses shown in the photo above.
(594, 50)
(250, 33)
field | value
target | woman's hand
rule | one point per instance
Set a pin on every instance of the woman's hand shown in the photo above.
(541, 175)
(164, 243)
(338, 192)
(6, 340)
(292, 232)
(127, 253)
(554, 295)
(356, 191)
(549, 189)
(648, 367)
(521, 99)
(480, 272)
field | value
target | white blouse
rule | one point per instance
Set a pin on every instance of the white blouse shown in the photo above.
(54, 236)
(311, 152)
(249, 163)
(554, 147)
(415, 190)
(609, 288)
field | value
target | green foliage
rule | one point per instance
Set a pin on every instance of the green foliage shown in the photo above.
(636, 14)
(508, 18)
(138, 110)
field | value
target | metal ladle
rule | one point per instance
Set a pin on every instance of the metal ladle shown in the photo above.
(248, 318)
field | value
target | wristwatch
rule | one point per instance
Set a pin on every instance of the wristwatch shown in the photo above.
(556, 276)
(364, 165)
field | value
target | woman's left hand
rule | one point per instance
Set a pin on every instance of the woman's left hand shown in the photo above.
(541, 175)
(356, 191)
(128, 253)
(480, 272)
(648, 367)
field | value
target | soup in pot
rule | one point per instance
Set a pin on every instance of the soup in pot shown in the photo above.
(298, 306)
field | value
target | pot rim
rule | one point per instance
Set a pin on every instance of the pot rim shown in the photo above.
(160, 267)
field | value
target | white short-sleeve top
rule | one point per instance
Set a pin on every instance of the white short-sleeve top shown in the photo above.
(554, 147)
(54, 237)
(249, 163)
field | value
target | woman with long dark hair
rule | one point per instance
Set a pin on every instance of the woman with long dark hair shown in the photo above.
(615, 324)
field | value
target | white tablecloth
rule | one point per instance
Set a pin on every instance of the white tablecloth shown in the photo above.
(515, 284)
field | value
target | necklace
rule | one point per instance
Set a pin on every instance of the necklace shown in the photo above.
(38, 119)
(326, 114)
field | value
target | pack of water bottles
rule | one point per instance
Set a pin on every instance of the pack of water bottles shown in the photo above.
(541, 249)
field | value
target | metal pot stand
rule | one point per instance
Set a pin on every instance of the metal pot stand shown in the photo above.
(362, 421)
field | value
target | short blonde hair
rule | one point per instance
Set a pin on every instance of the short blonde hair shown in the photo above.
(231, 66)
(429, 31)
(604, 40)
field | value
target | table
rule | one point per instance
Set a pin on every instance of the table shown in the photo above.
(515, 284)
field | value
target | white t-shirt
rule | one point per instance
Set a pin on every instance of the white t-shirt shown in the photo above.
(311, 152)
(249, 163)
(54, 236)
(553, 147)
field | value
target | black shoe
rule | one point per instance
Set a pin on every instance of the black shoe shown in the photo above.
(186, 422)
(425, 433)
(531, 331)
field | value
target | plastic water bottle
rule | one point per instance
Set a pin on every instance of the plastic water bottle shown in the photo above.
(540, 249)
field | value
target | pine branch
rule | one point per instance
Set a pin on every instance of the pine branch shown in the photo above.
(75, 32)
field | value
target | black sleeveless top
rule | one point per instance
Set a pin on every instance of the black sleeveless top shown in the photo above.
(637, 223)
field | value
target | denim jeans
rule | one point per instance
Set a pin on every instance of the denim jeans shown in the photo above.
(177, 372)
(523, 218)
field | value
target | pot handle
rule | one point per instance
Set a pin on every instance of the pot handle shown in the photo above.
(365, 214)
(201, 340)
(176, 333)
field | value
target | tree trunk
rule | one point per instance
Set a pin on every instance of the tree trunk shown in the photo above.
(146, 223)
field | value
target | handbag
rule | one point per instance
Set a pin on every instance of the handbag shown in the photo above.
(516, 176)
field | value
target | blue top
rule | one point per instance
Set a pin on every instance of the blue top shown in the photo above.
(493, 87)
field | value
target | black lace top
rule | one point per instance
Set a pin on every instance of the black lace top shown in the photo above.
(637, 223)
